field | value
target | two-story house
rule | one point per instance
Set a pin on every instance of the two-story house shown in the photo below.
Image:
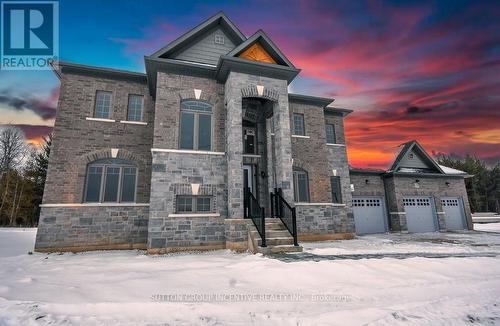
(198, 151)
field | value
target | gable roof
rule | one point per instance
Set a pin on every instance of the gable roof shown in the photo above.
(218, 19)
(414, 146)
(261, 38)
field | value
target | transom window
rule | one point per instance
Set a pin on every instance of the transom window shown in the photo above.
(300, 185)
(102, 105)
(134, 112)
(330, 134)
(193, 204)
(249, 141)
(196, 125)
(298, 124)
(110, 180)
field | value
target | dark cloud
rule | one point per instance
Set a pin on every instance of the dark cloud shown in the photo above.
(45, 109)
(34, 132)
(416, 109)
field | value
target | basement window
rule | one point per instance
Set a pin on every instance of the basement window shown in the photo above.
(219, 39)
(193, 204)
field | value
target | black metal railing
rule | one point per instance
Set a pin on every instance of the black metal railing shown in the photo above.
(286, 213)
(252, 210)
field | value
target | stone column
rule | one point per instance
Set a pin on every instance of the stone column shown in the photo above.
(283, 147)
(234, 147)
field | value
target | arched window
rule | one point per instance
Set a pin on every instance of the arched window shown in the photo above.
(300, 185)
(195, 126)
(110, 181)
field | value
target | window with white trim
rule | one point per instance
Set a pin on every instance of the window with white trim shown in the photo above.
(110, 181)
(330, 134)
(298, 124)
(193, 204)
(134, 111)
(195, 125)
(102, 108)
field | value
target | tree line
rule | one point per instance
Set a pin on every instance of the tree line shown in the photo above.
(23, 169)
(483, 188)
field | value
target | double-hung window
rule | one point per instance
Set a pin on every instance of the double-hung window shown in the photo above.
(196, 126)
(102, 108)
(193, 204)
(300, 186)
(110, 181)
(134, 111)
(330, 134)
(298, 124)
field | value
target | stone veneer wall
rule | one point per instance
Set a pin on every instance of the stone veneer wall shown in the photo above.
(81, 228)
(172, 175)
(323, 222)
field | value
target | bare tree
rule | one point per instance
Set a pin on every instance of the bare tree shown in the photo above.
(12, 148)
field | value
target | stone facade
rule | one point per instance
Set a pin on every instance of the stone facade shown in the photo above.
(173, 174)
(92, 228)
(241, 93)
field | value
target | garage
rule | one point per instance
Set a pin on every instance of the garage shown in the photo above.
(369, 215)
(454, 213)
(420, 215)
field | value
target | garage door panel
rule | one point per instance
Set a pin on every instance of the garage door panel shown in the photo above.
(420, 215)
(453, 213)
(369, 215)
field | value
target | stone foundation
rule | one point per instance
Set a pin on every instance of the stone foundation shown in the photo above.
(323, 220)
(82, 228)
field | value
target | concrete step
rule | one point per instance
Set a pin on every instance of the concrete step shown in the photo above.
(285, 248)
(277, 233)
(275, 226)
(271, 242)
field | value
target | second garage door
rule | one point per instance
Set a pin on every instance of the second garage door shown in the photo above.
(369, 215)
(420, 215)
(454, 213)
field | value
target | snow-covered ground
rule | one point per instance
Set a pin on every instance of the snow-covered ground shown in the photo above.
(427, 279)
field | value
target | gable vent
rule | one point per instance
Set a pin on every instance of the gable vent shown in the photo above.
(219, 39)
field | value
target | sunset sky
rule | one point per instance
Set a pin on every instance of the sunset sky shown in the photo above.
(420, 70)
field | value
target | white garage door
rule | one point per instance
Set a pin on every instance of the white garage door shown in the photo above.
(453, 213)
(369, 215)
(420, 215)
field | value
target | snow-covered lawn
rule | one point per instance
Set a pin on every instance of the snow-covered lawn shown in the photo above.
(427, 279)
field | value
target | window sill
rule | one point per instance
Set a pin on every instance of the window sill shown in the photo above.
(194, 215)
(100, 119)
(134, 122)
(96, 205)
(185, 151)
(251, 155)
(300, 136)
(319, 204)
(332, 144)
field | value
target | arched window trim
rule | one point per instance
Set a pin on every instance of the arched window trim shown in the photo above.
(193, 129)
(103, 170)
(297, 172)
